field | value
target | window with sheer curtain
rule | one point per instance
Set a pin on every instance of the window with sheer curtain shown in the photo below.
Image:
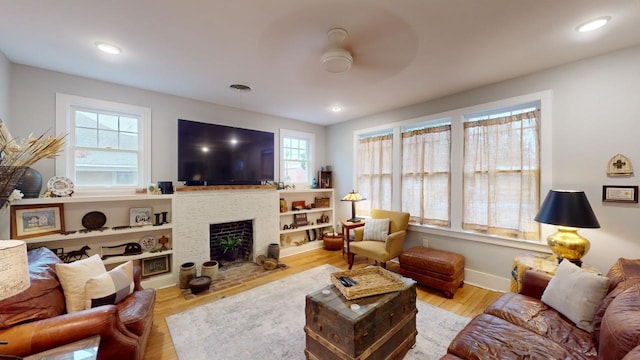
(502, 175)
(426, 155)
(374, 174)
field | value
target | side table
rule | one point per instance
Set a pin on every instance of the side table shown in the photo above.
(544, 263)
(346, 228)
(86, 349)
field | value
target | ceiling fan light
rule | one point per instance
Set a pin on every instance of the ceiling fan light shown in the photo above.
(336, 60)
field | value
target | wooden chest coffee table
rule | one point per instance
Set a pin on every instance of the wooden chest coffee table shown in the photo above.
(375, 327)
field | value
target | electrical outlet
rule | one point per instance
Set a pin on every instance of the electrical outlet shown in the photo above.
(425, 242)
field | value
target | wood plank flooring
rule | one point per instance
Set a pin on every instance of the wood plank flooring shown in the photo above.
(468, 301)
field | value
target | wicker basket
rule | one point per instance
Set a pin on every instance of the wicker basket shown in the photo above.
(371, 281)
(9, 178)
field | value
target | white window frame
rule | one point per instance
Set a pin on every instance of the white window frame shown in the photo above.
(64, 124)
(285, 133)
(458, 117)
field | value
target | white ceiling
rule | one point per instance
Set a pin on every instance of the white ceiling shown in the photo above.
(405, 51)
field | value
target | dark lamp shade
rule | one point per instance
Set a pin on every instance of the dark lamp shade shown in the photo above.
(567, 208)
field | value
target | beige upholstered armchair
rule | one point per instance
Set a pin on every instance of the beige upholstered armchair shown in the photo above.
(382, 245)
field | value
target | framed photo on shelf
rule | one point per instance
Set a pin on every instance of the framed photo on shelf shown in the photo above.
(620, 194)
(155, 265)
(29, 221)
(300, 219)
(298, 205)
(140, 216)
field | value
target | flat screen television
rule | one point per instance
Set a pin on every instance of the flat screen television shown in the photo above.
(211, 154)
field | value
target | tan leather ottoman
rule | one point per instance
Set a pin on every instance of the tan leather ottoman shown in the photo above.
(439, 269)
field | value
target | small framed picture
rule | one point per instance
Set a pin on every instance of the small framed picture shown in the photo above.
(140, 216)
(29, 221)
(298, 205)
(155, 265)
(300, 219)
(620, 194)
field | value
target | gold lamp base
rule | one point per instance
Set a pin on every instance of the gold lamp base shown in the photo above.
(568, 244)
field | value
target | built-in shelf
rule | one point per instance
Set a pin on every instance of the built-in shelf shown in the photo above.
(117, 210)
(146, 255)
(296, 240)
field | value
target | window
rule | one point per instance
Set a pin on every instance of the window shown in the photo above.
(375, 172)
(502, 174)
(109, 144)
(426, 154)
(475, 171)
(297, 157)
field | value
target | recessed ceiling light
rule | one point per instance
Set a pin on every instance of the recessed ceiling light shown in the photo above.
(108, 48)
(594, 24)
(336, 108)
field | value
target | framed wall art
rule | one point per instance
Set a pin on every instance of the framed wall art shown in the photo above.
(300, 219)
(29, 221)
(620, 194)
(140, 216)
(155, 265)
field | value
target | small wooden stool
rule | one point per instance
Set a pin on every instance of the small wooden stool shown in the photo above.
(439, 269)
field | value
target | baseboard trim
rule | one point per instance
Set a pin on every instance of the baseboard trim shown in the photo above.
(486, 280)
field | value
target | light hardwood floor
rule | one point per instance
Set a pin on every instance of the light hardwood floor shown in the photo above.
(468, 301)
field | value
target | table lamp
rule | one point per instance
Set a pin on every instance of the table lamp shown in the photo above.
(569, 211)
(14, 268)
(354, 197)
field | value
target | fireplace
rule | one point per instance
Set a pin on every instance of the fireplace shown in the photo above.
(193, 213)
(242, 229)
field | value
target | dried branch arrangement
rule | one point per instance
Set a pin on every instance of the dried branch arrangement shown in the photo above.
(17, 155)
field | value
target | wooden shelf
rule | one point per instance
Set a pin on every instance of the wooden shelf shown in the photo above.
(121, 259)
(90, 199)
(96, 233)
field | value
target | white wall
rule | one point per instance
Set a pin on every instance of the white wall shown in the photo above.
(595, 116)
(5, 82)
(32, 94)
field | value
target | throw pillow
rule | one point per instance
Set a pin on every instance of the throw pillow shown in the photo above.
(376, 229)
(74, 276)
(576, 293)
(109, 288)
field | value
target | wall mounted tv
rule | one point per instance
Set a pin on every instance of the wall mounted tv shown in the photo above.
(210, 154)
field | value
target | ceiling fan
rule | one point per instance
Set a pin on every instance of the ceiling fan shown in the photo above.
(336, 58)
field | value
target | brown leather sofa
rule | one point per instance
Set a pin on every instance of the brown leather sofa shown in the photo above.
(35, 320)
(521, 326)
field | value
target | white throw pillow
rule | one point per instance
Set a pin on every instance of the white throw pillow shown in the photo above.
(376, 229)
(74, 276)
(576, 293)
(109, 288)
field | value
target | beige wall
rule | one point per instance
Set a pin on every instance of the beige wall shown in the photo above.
(595, 107)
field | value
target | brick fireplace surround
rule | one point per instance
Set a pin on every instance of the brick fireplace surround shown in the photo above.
(194, 211)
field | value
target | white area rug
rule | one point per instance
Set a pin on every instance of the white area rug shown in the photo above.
(267, 322)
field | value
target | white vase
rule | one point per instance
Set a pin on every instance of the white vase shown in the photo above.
(210, 269)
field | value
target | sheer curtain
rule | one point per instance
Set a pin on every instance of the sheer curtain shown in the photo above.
(426, 155)
(502, 175)
(374, 176)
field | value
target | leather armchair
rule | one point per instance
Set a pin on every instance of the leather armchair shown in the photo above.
(381, 251)
(35, 321)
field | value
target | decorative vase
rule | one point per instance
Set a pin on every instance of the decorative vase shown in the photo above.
(30, 183)
(273, 251)
(187, 272)
(210, 269)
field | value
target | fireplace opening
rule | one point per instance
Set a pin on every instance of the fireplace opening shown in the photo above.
(242, 229)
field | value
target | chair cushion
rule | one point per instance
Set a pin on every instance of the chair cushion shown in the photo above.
(376, 229)
(576, 294)
(111, 287)
(74, 276)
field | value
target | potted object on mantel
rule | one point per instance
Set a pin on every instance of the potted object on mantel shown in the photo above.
(230, 246)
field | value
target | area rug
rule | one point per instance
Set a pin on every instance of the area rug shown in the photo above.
(267, 322)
